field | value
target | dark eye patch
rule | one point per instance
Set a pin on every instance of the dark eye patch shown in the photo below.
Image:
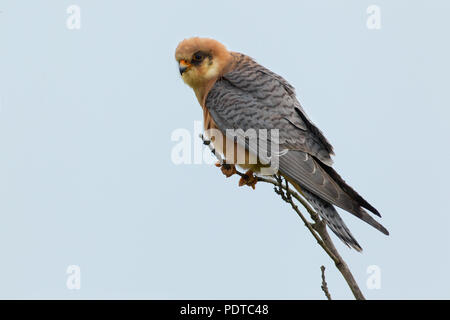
(198, 57)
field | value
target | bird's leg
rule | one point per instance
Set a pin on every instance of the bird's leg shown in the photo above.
(249, 179)
(227, 169)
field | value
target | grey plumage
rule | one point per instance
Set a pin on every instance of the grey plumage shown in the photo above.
(252, 97)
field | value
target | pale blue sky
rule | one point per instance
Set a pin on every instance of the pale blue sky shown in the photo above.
(86, 176)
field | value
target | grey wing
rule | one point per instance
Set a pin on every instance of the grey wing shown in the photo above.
(270, 103)
(308, 173)
(253, 97)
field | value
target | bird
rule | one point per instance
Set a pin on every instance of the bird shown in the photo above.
(235, 92)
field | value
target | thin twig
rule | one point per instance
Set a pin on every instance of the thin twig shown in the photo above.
(324, 284)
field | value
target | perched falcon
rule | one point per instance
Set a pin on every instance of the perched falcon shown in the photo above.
(235, 92)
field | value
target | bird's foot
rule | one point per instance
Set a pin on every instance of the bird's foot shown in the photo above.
(227, 169)
(248, 179)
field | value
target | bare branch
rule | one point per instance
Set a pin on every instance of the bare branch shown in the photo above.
(324, 284)
(317, 228)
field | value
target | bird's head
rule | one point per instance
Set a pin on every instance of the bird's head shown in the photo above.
(201, 60)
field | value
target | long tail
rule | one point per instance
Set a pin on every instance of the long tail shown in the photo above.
(330, 215)
(325, 183)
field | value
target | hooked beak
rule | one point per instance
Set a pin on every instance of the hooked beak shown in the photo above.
(183, 66)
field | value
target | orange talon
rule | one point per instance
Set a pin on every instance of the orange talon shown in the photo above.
(248, 179)
(227, 169)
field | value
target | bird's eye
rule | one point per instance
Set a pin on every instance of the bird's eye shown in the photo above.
(198, 57)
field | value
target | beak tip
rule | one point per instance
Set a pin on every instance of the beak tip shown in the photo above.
(183, 66)
(182, 69)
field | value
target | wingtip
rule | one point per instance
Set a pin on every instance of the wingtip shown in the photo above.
(382, 229)
(363, 215)
(371, 209)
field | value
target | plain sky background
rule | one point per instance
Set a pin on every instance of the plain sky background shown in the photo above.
(86, 176)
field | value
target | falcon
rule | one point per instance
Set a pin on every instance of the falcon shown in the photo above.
(235, 92)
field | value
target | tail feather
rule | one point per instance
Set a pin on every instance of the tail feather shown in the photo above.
(311, 174)
(329, 214)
